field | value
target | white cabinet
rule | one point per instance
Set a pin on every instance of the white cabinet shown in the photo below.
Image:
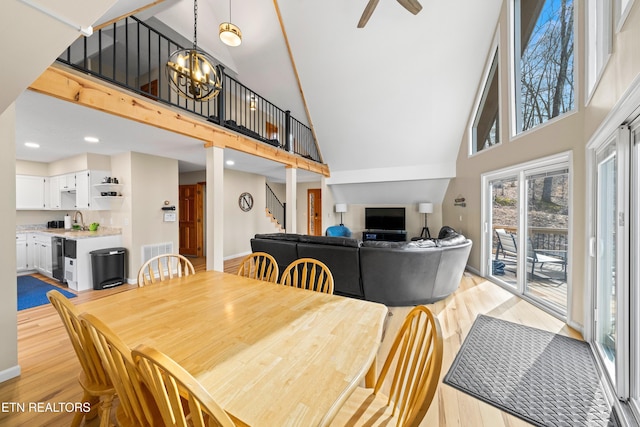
(30, 192)
(42, 254)
(67, 182)
(22, 259)
(54, 193)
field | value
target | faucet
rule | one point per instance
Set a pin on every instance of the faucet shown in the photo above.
(75, 218)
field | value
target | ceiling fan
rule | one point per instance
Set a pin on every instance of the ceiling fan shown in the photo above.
(411, 5)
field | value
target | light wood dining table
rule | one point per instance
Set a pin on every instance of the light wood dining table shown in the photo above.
(270, 355)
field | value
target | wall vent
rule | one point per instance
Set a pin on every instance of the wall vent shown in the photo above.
(149, 251)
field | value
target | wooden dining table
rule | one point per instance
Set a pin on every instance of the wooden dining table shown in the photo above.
(270, 355)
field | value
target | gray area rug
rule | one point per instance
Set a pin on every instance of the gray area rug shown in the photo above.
(541, 377)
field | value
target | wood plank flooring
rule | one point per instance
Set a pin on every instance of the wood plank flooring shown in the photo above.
(49, 366)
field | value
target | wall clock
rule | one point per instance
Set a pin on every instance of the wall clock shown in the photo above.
(245, 201)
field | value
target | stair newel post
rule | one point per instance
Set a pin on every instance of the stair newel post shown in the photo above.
(284, 216)
(287, 131)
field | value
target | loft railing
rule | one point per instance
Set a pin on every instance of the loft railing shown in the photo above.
(275, 207)
(131, 54)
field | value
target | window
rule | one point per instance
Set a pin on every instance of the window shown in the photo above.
(543, 61)
(598, 40)
(486, 125)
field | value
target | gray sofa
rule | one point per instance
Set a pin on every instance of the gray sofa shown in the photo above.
(392, 273)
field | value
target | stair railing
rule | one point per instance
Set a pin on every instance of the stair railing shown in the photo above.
(275, 207)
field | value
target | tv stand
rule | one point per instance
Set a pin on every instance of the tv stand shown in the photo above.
(385, 235)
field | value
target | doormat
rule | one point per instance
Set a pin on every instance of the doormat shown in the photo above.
(32, 292)
(543, 378)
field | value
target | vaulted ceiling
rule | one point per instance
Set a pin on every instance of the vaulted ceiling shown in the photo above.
(389, 102)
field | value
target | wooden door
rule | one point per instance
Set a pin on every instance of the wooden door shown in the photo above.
(190, 226)
(314, 212)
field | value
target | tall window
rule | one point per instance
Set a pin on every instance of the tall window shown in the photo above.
(486, 125)
(598, 30)
(543, 52)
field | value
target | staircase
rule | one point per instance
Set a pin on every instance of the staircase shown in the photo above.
(275, 209)
(274, 221)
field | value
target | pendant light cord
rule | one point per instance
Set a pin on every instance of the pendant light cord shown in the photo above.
(195, 24)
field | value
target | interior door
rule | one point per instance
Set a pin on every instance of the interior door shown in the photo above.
(190, 219)
(314, 212)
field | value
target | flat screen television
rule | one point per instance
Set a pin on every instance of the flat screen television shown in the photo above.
(384, 218)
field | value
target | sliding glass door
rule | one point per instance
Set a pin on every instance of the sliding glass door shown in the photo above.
(606, 256)
(611, 250)
(505, 195)
(526, 241)
(546, 240)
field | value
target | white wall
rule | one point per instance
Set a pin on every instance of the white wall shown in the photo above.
(8, 291)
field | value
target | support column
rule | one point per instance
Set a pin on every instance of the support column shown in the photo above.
(292, 192)
(215, 208)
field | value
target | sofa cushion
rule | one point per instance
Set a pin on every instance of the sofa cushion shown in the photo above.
(383, 244)
(331, 240)
(456, 240)
(422, 243)
(290, 237)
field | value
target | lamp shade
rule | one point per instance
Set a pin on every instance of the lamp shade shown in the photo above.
(425, 207)
(341, 207)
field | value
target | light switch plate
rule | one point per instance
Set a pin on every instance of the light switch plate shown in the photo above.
(170, 217)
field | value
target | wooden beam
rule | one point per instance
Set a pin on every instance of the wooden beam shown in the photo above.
(87, 91)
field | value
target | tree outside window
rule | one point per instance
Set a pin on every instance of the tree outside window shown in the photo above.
(544, 41)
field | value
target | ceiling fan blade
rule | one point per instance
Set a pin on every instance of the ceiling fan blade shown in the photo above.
(411, 5)
(368, 10)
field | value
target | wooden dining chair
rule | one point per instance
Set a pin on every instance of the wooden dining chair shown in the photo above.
(261, 266)
(308, 273)
(97, 386)
(180, 398)
(416, 354)
(136, 405)
(164, 267)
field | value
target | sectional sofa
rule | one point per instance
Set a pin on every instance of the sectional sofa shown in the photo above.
(392, 273)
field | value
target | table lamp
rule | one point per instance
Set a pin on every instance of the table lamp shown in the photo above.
(425, 208)
(341, 207)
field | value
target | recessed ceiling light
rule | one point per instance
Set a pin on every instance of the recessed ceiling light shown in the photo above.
(32, 144)
(91, 139)
(230, 162)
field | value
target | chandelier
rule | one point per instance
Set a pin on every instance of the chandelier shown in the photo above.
(191, 72)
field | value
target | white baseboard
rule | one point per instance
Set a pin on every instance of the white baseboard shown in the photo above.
(472, 270)
(242, 254)
(7, 374)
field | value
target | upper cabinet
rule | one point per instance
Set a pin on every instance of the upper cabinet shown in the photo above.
(72, 191)
(30, 192)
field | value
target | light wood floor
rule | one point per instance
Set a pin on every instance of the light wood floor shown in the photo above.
(49, 367)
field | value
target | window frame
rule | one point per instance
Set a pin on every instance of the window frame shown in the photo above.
(515, 101)
(489, 72)
(621, 12)
(599, 42)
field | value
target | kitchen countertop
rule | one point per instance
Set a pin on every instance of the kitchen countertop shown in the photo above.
(78, 234)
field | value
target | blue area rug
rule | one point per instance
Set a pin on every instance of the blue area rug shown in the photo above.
(32, 292)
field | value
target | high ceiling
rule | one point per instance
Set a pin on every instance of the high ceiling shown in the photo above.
(389, 102)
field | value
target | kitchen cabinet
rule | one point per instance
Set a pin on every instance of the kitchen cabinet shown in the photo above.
(22, 259)
(30, 192)
(54, 193)
(67, 182)
(42, 254)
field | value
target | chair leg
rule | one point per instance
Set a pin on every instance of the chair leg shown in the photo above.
(79, 415)
(105, 411)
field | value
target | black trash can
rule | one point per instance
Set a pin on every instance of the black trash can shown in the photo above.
(109, 267)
